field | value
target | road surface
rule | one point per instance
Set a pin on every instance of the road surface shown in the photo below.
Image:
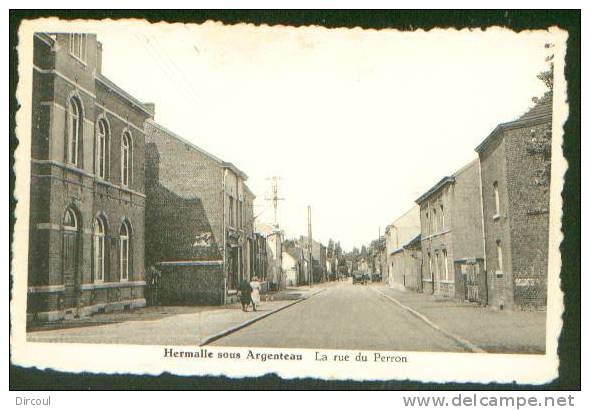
(343, 316)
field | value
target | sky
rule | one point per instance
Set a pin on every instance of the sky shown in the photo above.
(356, 123)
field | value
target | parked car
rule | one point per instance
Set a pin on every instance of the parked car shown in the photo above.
(358, 277)
(376, 277)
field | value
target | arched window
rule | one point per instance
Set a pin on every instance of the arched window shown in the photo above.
(126, 152)
(124, 239)
(70, 221)
(70, 246)
(99, 249)
(496, 198)
(102, 145)
(75, 123)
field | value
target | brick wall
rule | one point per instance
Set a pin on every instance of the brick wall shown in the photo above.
(192, 285)
(529, 217)
(56, 185)
(522, 225)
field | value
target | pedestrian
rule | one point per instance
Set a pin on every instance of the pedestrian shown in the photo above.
(153, 284)
(255, 296)
(245, 294)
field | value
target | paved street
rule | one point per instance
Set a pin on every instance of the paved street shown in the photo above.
(343, 316)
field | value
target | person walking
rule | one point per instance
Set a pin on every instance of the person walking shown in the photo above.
(153, 284)
(255, 296)
(245, 294)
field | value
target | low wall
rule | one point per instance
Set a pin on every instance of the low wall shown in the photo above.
(192, 283)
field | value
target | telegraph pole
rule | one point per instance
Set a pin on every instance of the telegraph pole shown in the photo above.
(309, 244)
(274, 198)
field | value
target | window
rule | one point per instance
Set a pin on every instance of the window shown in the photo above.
(102, 145)
(427, 224)
(75, 121)
(231, 211)
(442, 217)
(497, 198)
(434, 221)
(126, 152)
(78, 46)
(70, 221)
(446, 262)
(124, 239)
(499, 255)
(430, 267)
(437, 266)
(99, 254)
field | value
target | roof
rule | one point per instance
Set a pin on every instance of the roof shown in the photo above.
(414, 242)
(542, 110)
(224, 164)
(111, 85)
(439, 185)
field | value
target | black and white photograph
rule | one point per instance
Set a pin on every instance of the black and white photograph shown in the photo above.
(236, 199)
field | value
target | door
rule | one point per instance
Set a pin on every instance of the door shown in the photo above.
(471, 277)
(70, 259)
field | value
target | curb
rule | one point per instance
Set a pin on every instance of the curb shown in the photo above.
(463, 342)
(247, 323)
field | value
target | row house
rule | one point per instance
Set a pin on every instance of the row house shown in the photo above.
(275, 278)
(294, 266)
(404, 252)
(87, 199)
(199, 220)
(451, 236)
(515, 177)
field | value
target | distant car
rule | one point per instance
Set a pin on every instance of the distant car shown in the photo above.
(358, 277)
(376, 277)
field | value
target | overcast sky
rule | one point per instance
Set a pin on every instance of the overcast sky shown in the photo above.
(357, 123)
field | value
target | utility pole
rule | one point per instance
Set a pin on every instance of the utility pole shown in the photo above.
(309, 244)
(274, 198)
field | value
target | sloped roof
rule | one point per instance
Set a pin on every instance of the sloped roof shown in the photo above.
(543, 109)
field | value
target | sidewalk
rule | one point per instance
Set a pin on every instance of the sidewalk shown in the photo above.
(491, 330)
(162, 325)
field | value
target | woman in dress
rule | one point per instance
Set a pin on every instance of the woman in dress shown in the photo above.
(255, 285)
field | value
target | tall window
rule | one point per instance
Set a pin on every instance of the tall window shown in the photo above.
(124, 239)
(427, 223)
(497, 198)
(430, 267)
(231, 211)
(101, 148)
(499, 255)
(442, 217)
(99, 254)
(126, 152)
(434, 221)
(78, 46)
(75, 121)
(437, 266)
(446, 262)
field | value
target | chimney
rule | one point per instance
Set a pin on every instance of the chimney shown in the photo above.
(98, 57)
(151, 107)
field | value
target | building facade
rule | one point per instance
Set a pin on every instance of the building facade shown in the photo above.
(452, 237)
(86, 230)
(403, 269)
(199, 220)
(515, 175)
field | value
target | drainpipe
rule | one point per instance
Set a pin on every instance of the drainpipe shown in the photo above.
(224, 239)
(483, 230)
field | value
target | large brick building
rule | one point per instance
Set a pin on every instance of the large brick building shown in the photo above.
(452, 236)
(199, 219)
(86, 249)
(404, 258)
(515, 175)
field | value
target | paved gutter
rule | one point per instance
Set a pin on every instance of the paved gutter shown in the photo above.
(463, 342)
(247, 323)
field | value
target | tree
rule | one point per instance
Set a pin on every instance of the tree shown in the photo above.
(539, 142)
